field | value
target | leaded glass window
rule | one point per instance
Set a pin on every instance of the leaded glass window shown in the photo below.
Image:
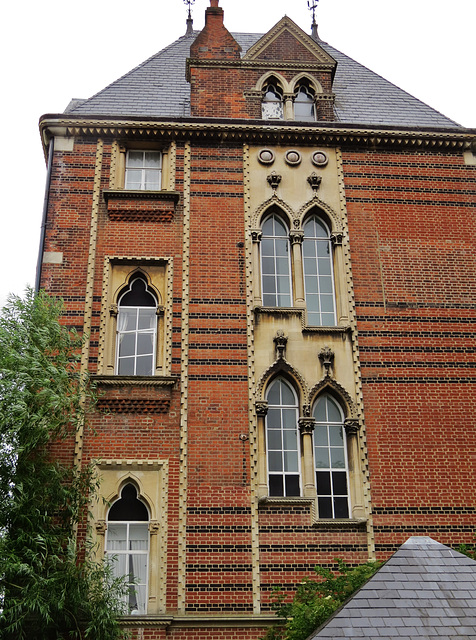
(282, 440)
(136, 331)
(275, 263)
(143, 170)
(318, 273)
(127, 547)
(330, 455)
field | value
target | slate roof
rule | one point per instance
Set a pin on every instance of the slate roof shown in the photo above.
(158, 88)
(426, 590)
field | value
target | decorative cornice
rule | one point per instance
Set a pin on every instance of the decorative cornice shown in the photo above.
(136, 381)
(284, 132)
(144, 194)
(339, 522)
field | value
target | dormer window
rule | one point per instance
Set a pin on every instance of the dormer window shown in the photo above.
(272, 104)
(304, 107)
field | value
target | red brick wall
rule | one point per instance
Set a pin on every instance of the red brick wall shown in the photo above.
(412, 229)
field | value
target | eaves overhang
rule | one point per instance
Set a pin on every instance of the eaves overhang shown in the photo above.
(257, 132)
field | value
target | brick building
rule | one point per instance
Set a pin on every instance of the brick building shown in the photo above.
(271, 250)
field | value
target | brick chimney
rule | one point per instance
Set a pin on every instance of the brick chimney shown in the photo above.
(215, 41)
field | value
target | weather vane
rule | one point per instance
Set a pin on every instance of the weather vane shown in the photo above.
(312, 4)
(189, 3)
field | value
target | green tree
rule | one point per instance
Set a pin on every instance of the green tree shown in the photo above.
(49, 587)
(316, 600)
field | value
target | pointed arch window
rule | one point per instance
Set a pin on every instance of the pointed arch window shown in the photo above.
(136, 330)
(275, 263)
(282, 440)
(318, 273)
(272, 103)
(127, 546)
(304, 107)
(330, 455)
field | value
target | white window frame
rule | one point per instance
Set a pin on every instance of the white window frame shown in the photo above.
(330, 468)
(274, 238)
(143, 168)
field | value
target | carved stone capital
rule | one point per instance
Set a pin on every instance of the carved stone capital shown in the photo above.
(336, 238)
(296, 237)
(280, 341)
(326, 356)
(256, 235)
(351, 426)
(154, 527)
(261, 407)
(315, 181)
(274, 180)
(113, 310)
(306, 425)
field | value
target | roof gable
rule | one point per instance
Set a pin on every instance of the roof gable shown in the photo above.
(287, 42)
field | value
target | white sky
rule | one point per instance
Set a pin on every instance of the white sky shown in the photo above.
(55, 50)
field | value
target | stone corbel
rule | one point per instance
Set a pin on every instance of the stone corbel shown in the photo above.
(154, 527)
(336, 238)
(326, 356)
(296, 237)
(315, 181)
(101, 527)
(280, 342)
(274, 180)
(256, 235)
(160, 310)
(113, 310)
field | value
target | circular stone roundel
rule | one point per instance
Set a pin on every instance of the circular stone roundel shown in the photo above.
(266, 156)
(319, 158)
(293, 157)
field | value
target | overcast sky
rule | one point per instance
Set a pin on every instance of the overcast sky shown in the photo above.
(55, 50)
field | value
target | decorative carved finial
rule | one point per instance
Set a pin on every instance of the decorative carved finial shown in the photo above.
(312, 4)
(273, 180)
(280, 341)
(315, 181)
(326, 356)
(189, 31)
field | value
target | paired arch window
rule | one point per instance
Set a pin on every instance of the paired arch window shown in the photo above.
(283, 450)
(317, 274)
(127, 547)
(136, 343)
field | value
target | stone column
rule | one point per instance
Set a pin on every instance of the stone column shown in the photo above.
(306, 428)
(261, 412)
(256, 235)
(356, 491)
(296, 238)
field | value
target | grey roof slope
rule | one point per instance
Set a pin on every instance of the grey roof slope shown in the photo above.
(425, 590)
(157, 88)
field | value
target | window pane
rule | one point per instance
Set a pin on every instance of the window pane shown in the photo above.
(275, 460)
(336, 435)
(116, 536)
(320, 436)
(276, 486)
(324, 507)
(139, 537)
(289, 419)
(127, 319)
(292, 486)
(274, 415)
(337, 458)
(126, 367)
(144, 365)
(147, 318)
(290, 440)
(341, 508)
(322, 458)
(118, 564)
(274, 439)
(323, 482)
(333, 413)
(291, 461)
(145, 343)
(339, 483)
(287, 395)
(269, 285)
(135, 158)
(127, 344)
(310, 266)
(152, 179)
(152, 159)
(311, 283)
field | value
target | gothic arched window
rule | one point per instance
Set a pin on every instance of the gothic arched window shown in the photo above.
(330, 456)
(304, 107)
(136, 330)
(318, 273)
(272, 103)
(282, 440)
(127, 545)
(275, 263)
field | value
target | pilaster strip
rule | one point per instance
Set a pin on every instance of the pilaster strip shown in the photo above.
(183, 477)
(356, 358)
(88, 298)
(172, 165)
(253, 422)
(113, 169)
(103, 319)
